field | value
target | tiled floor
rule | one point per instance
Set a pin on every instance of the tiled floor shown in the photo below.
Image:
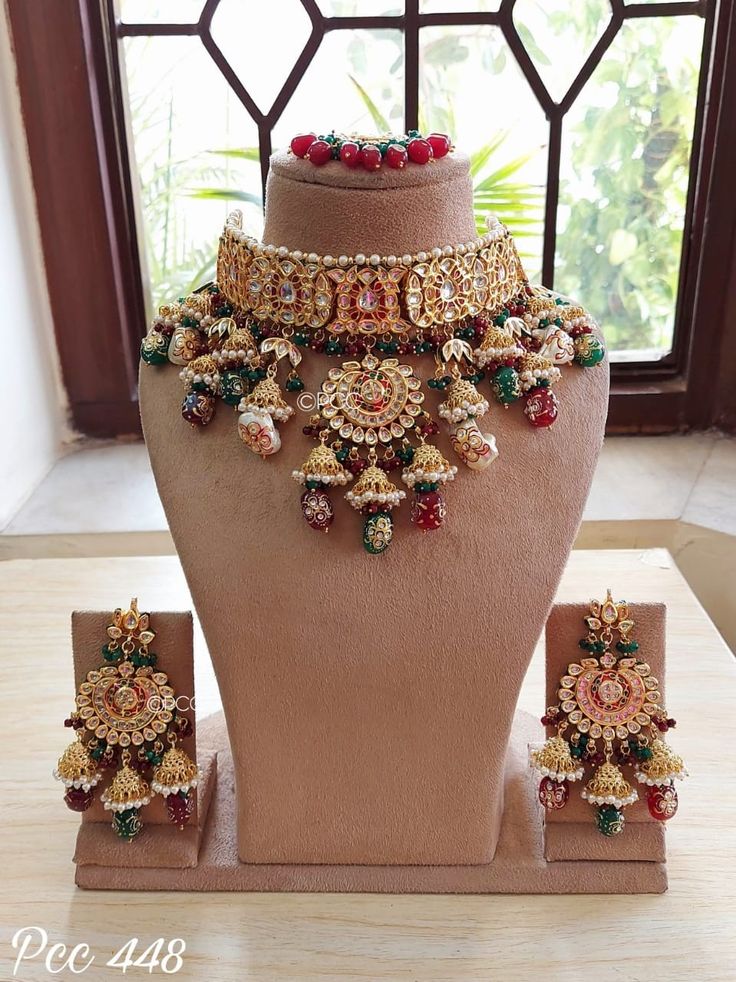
(110, 488)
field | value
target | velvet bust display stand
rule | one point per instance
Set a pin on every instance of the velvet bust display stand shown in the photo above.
(370, 701)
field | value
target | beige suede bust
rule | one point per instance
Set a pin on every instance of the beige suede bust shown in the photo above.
(369, 699)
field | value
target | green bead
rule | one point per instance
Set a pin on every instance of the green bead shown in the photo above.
(589, 350)
(233, 388)
(294, 384)
(127, 824)
(378, 532)
(610, 820)
(301, 339)
(155, 348)
(506, 385)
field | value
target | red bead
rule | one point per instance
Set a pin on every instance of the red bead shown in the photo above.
(78, 799)
(179, 808)
(198, 408)
(553, 794)
(420, 152)
(428, 510)
(300, 144)
(317, 509)
(350, 154)
(396, 156)
(662, 802)
(541, 407)
(370, 157)
(319, 152)
(440, 144)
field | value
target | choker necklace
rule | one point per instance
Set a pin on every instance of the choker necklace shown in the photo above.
(468, 307)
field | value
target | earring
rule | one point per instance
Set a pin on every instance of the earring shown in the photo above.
(463, 406)
(612, 697)
(123, 710)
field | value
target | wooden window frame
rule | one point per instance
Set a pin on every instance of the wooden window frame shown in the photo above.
(72, 99)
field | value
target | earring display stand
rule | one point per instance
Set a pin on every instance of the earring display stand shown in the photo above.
(162, 844)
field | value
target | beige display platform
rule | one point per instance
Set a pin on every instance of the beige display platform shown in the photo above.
(519, 865)
(163, 845)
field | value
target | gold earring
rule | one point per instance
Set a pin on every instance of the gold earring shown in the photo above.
(611, 697)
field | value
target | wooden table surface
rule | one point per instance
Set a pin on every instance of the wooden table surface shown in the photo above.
(687, 934)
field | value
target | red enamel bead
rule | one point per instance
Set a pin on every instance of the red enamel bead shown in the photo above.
(541, 407)
(319, 152)
(317, 509)
(78, 799)
(179, 808)
(350, 154)
(198, 408)
(428, 510)
(662, 802)
(300, 144)
(419, 151)
(553, 794)
(396, 156)
(440, 144)
(370, 157)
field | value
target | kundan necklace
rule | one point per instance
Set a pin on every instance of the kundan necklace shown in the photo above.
(468, 307)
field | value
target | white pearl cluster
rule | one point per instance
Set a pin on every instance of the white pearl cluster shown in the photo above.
(85, 783)
(660, 782)
(483, 356)
(239, 357)
(530, 379)
(211, 381)
(233, 227)
(167, 789)
(561, 776)
(609, 799)
(203, 320)
(466, 410)
(389, 498)
(123, 806)
(280, 413)
(411, 476)
(342, 477)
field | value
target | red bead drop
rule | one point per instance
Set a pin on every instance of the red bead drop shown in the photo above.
(319, 152)
(300, 144)
(662, 802)
(428, 510)
(541, 407)
(179, 808)
(350, 154)
(198, 408)
(78, 799)
(317, 509)
(370, 157)
(420, 152)
(396, 156)
(440, 144)
(553, 794)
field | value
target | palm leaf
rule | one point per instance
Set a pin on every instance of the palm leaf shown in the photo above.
(379, 120)
(227, 194)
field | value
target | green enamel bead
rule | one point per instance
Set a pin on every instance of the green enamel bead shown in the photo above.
(589, 350)
(154, 348)
(127, 824)
(378, 532)
(233, 388)
(610, 820)
(506, 385)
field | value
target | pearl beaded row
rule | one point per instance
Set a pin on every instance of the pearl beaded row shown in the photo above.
(280, 413)
(467, 410)
(558, 776)
(496, 231)
(204, 320)
(123, 806)
(642, 778)
(167, 789)
(85, 783)
(375, 498)
(610, 799)
(410, 477)
(342, 477)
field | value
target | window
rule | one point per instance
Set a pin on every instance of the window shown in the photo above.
(588, 124)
